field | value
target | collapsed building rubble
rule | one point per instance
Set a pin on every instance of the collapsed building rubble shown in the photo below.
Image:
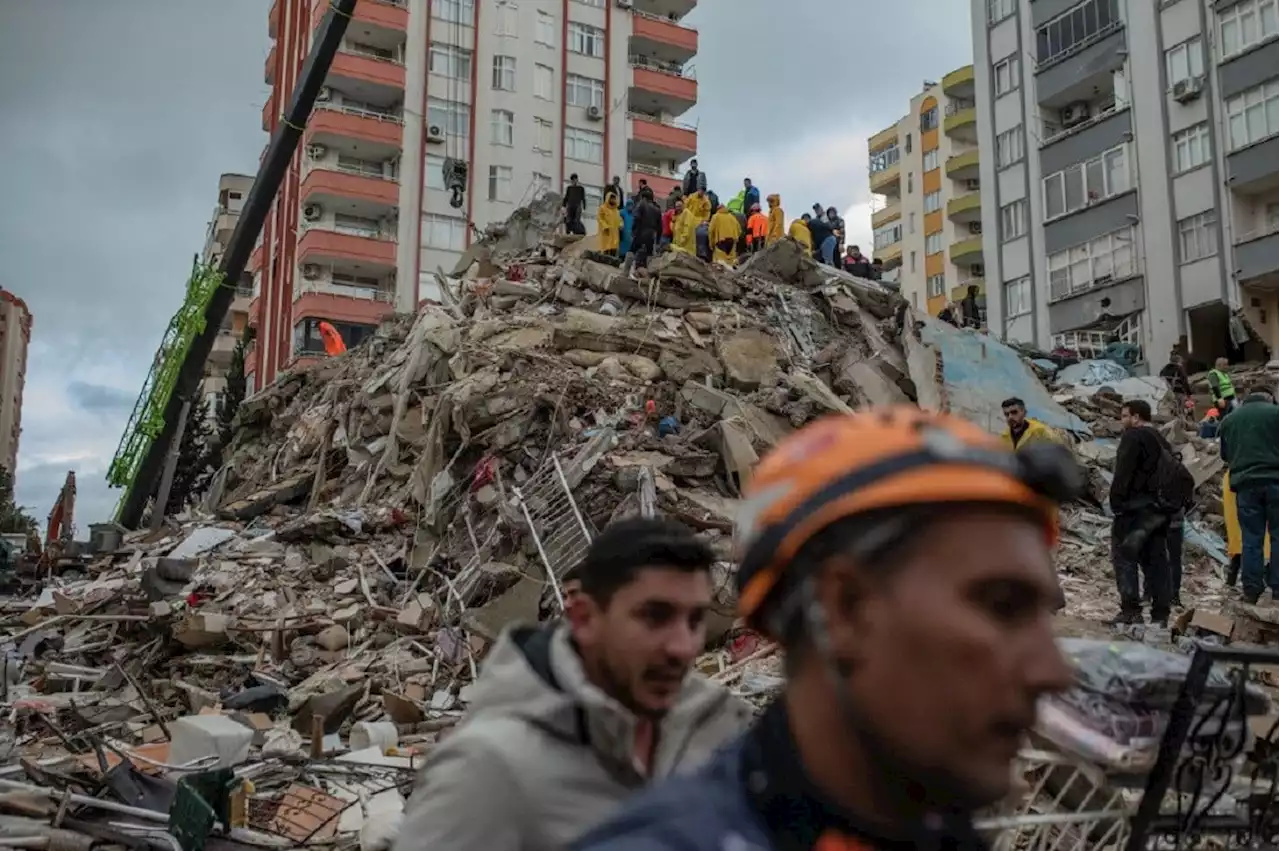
(384, 514)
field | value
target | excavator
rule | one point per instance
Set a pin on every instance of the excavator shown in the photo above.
(25, 561)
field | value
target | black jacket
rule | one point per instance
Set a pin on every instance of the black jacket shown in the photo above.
(575, 198)
(860, 267)
(693, 181)
(647, 218)
(1135, 485)
(820, 230)
(1176, 376)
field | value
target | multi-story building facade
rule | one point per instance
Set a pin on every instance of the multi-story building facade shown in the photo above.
(233, 189)
(15, 338)
(524, 92)
(928, 229)
(1131, 195)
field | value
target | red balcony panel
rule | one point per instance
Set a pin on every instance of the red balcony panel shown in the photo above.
(356, 186)
(661, 186)
(335, 123)
(255, 259)
(659, 82)
(268, 113)
(361, 311)
(666, 32)
(367, 69)
(273, 18)
(317, 245)
(269, 68)
(388, 16)
(665, 135)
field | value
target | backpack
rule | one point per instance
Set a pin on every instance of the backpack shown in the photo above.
(1175, 486)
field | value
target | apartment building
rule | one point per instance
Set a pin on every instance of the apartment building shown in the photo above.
(1132, 193)
(15, 338)
(523, 93)
(233, 189)
(927, 225)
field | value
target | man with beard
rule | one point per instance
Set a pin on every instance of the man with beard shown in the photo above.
(901, 558)
(569, 720)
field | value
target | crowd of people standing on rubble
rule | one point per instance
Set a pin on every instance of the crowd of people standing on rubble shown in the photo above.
(635, 226)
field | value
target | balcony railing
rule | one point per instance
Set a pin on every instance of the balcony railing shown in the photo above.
(663, 18)
(362, 112)
(643, 168)
(356, 49)
(244, 292)
(637, 61)
(362, 170)
(349, 291)
(959, 105)
(351, 230)
(1257, 233)
(669, 122)
(1054, 131)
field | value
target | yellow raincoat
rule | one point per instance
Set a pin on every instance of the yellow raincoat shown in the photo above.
(776, 229)
(684, 232)
(724, 225)
(699, 205)
(799, 231)
(1235, 541)
(1037, 432)
(609, 225)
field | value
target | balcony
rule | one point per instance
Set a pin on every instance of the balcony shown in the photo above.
(961, 289)
(967, 251)
(888, 214)
(886, 138)
(959, 83)
(223, 345)
(365, 194)
(319, 245)
(255, 259)
(660, 180)
(269, 113)
(885, 181)
(965, 209)
(1256, 256)
(366, 77)
(671, 9)
(332, 124)
(380, 22)
(891, 255)
(243, 300)
(1252, 170)
(658, 87)
(269, 67)
(661, 38)
(341, 308)
(963, 166)
(961, 121)
(273, 19)
(650, 138)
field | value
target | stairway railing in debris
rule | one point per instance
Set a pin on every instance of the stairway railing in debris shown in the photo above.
(559, 530)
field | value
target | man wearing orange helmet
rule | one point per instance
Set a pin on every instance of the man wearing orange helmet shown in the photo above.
(901, 558)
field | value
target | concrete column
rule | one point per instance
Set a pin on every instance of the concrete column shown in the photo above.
(407, 233)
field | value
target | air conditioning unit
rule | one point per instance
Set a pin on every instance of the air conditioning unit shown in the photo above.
(973, 183)
(624, 4)
(324, 95)
(1075, 113)
(311, 271)
(975, 228)
(1185, 91)
(976, 270)
(317, 151)
(312, 212)
(594, 113)
(435, 133)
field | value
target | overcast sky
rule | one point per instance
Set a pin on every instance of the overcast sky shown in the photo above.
(119, 116)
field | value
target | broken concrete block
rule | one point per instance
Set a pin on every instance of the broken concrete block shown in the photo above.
(197, 737)
(681, 366)
(202, 631)
(750, 359)
(333, 638)
(518, 604)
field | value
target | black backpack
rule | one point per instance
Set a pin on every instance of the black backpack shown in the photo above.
(1175, 486)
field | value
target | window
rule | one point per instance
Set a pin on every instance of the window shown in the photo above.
(913, 262)
(583, 145)
(500, 183)
(586, 40)
(933, 201)
(508, 20)
(933, 242)
(502, 127)
(1095, 263)
(1245, 24)
(542, 135)
(544, 85)
(443, 232)
(935, 285)
(455, 11)
(1251, 115)
(453, 117)
(907, 146)
(930, 160)
(1013, 220)
(541, 183)
(1075, 28)
(545, 31)
(1017, 298)
(1007, 74)
(598, 4)
(882, 160)
(911, 182)
(359, 165)
(308, 341)
(911, 223)
(929, 120)
(504, 73)
(433, 172)
(1184, 61)
(452, 62)
(1272, 215)
(1010, 147)
(998, 10)
(1198, 236)
(887, 235)
(1079, 185)
(583, 91)
(357, 225)
(593, 195)
(1191, 147)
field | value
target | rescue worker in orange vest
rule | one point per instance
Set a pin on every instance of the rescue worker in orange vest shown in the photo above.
(333, 345)
(757, 229)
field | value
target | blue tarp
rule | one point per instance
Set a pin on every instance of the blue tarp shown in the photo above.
(980, 372)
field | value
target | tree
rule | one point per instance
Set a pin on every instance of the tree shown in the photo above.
(232, 395)
(192, 470)
(13, 517)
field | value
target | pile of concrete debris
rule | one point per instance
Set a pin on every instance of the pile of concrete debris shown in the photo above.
(384, 514)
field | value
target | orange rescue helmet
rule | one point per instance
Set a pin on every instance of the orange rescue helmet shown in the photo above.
(893, 457)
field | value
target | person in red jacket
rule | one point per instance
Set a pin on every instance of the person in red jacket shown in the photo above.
(668, 224)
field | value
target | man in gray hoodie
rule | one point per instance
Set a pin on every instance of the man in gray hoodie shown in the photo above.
(569, 720)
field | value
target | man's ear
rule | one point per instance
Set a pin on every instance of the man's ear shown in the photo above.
(844, 592)
(580, 610)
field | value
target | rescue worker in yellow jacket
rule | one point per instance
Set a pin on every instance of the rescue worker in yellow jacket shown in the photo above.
(699, 206)
(1022, 431)
(724, 235)
(684, 231)
(609, 225)
(799, 231)
(776, 227)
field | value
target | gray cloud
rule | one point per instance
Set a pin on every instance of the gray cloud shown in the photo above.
(114, 138)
